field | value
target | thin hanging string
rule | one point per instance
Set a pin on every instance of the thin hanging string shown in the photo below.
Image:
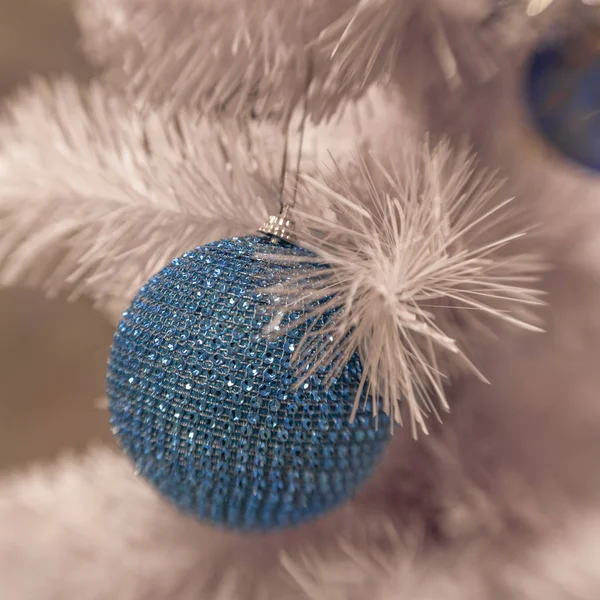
(286, 206)
(309, 77)
(284, 165)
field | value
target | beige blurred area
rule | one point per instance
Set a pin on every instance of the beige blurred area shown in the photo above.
(52, 353)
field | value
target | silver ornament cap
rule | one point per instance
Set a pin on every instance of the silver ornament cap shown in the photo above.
(279, 226)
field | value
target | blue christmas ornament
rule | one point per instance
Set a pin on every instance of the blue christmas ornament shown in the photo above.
(563, 87)
(205, 403)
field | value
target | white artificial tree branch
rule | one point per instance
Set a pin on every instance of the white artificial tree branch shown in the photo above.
(254, 56)
(95, 198)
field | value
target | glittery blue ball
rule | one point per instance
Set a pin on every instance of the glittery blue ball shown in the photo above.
(563, 86)
(206, 404)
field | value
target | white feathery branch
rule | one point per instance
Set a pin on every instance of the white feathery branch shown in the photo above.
(95, 198)
(451, 44)
(225, 56)
(254, 56)
(410, 45)
(408, 275)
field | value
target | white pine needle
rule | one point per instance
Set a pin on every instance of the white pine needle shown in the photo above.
(428, 259)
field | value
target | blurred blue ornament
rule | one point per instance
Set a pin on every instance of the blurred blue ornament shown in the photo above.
(563, 87)
(206, 406)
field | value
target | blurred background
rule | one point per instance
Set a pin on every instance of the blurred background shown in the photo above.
(52, 353)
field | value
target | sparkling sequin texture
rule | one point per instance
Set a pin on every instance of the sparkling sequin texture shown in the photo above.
(205, 402)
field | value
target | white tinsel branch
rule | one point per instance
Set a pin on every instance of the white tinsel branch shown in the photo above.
(255, 57)
(242, 58)
(409, 276)
(95, 198)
